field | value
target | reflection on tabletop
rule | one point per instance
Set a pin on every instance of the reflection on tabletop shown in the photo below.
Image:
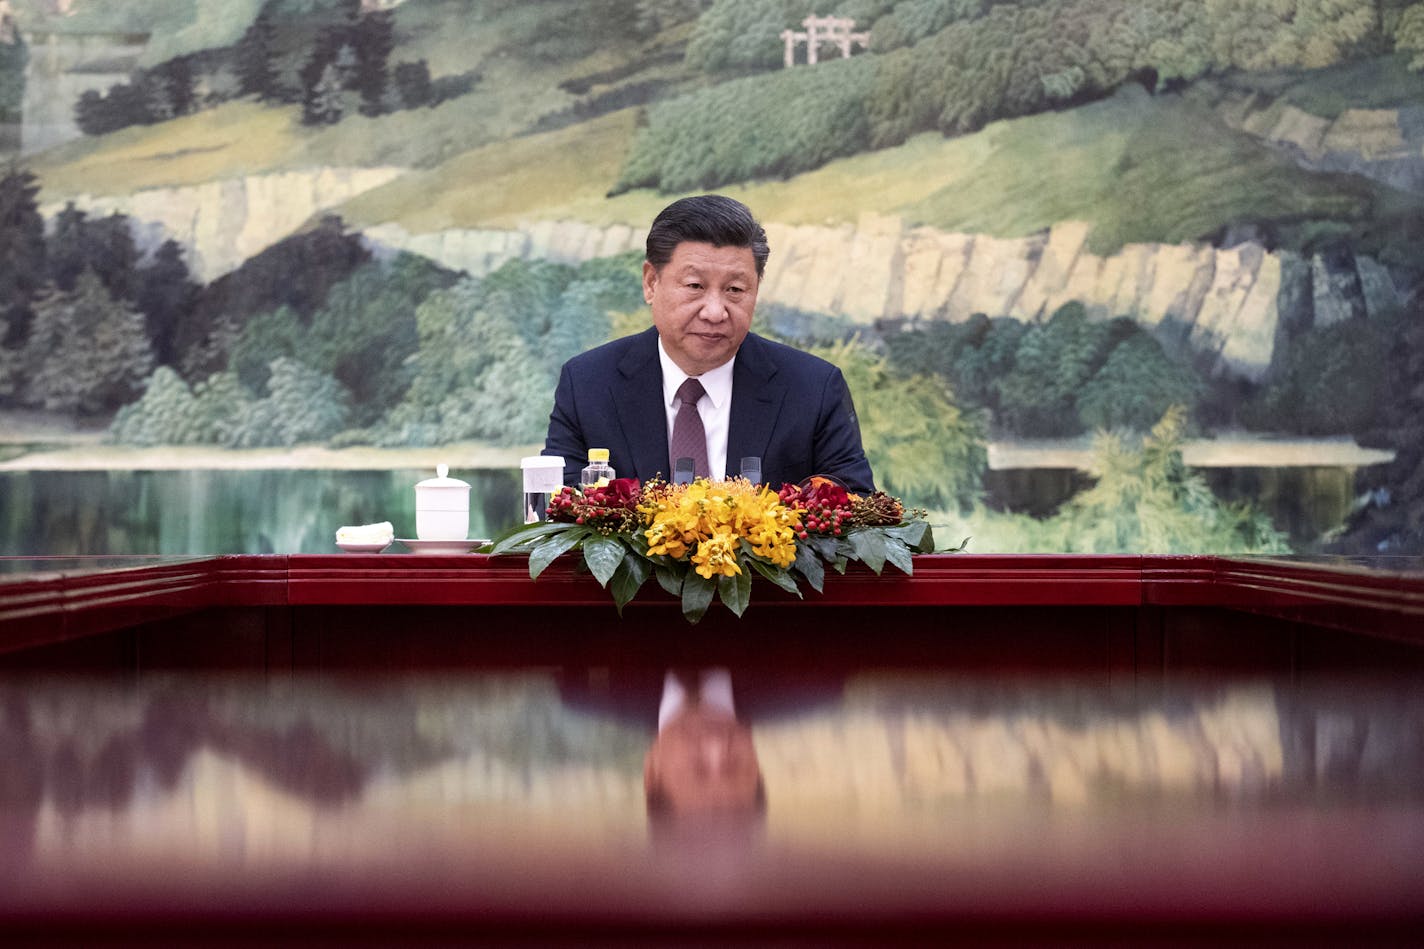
(952, 791)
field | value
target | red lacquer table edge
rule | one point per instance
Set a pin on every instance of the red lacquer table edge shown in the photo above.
(75, 599)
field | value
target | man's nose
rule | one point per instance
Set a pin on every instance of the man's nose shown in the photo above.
(714, 754)
(714, 308)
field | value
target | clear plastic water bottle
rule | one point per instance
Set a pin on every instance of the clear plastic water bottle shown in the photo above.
(598, 473)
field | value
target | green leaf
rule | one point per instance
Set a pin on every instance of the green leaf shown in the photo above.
(697, 593)
(628, 579)
(549, 550)
(525, 535)
(869, 547)
(777, 575)
(825, 547)
(670, 578)
(638, 543)
(898, 554)
(808, 564)
(603, 555)
(736, 591)
(914, 534)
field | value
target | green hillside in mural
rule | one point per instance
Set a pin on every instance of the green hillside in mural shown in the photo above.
(592, 58)
(1271, 137)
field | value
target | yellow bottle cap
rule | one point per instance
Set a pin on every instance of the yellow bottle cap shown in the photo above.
(598, 454)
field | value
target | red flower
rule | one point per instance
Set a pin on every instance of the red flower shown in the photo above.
(825, 492)
(621, 492)
(610, 508)
(823, 503)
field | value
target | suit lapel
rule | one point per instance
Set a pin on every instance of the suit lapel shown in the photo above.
(756, 403)
(638, 399)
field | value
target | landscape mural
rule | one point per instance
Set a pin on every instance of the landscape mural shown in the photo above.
(1103, 275)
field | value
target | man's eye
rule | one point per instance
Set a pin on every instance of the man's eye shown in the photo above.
(736, 290)
(694, 286)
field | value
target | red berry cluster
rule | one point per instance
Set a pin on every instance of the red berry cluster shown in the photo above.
(610, 509)
(561, 505)
(823, 505)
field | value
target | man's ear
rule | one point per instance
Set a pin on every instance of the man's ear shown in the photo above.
(654, 796)
(650, 279)
(651, 778)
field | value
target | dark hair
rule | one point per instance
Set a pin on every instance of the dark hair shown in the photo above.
(696, 833)
(706, 219)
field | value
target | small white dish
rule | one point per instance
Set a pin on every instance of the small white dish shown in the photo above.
(441, 546)
(363, 548)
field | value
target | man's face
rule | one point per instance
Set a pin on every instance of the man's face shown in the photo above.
(702, 302)
(704, 763)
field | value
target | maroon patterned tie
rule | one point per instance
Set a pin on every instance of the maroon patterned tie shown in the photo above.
(689, 440)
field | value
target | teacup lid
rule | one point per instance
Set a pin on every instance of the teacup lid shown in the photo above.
(442, 479)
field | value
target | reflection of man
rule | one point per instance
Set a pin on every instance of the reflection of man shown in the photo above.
(702, 761)
(699, 378)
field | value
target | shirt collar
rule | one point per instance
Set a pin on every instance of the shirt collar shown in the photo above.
(717, 383)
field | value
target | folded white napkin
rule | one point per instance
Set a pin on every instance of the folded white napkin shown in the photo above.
(382, 533)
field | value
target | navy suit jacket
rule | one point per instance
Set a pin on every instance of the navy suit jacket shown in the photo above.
(789, 408)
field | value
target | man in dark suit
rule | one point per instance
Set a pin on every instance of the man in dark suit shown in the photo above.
(753, 398)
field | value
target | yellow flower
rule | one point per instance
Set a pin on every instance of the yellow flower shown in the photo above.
(664, 539)
(712, 517)
(773, 539)
(717, 556)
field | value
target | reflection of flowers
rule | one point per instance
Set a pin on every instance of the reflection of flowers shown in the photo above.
(709, 537)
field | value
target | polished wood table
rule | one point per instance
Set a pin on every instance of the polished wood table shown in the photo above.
(361, 779)
(1118, 616)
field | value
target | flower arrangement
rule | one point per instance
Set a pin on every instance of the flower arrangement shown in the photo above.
(708, 538)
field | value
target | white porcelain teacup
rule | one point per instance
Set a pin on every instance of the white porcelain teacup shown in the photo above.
(442, 507)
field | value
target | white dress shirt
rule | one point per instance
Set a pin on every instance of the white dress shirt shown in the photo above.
(715, 695)
(715, 407)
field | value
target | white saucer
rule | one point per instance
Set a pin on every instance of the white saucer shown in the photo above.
(441, 546)
(363, 548)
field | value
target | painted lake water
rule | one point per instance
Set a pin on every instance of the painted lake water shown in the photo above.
(231, 511)
(220, 511)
